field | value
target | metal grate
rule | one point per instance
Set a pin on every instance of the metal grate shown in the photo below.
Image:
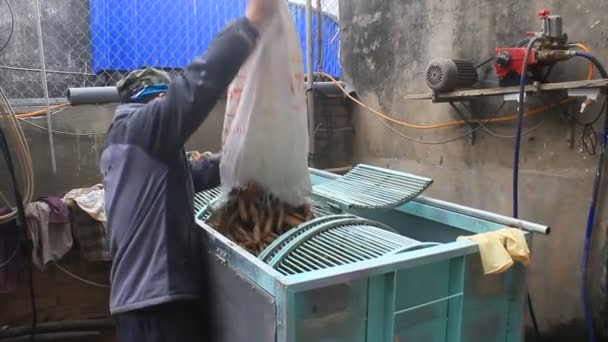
(320, 209)
(274, 249)
(336, 241)
(203, 199)
(372, 187)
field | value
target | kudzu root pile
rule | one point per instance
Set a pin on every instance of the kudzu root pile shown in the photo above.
(253, 219)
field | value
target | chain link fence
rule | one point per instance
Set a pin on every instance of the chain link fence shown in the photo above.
(87, 43)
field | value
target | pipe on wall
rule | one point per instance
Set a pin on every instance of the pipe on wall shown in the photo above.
(92, 95)
(310, 81)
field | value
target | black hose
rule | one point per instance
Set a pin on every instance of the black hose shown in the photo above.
(516, 152)
(522, 42)
(33, 302)
(593, 207)
(520, 121)
(482, 63)
(530, 305)
(10, 35)
(21, 223)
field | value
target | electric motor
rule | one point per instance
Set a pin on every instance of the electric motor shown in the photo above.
(448, 74)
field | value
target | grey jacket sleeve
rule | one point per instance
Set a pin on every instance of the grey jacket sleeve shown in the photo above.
(164, 125)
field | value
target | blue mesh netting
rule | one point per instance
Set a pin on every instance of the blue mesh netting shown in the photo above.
(126, 35)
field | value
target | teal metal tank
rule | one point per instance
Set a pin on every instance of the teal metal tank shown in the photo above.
(378, 264)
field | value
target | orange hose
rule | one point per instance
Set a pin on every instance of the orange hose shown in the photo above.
(586, 49)
(42, 111)
(513, 117)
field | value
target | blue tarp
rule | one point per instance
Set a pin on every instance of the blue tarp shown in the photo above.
(127, 35)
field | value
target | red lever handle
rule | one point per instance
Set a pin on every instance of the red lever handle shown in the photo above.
(543, 13)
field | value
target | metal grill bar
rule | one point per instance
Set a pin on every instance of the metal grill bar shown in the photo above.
(271, 251)
(327, 255)
(204, 198)
(384, 236)
(338, 240)
(356, 244)
(331, 245)
(351, 245)
(369, 242)
(334, 252)
(372, 187)
(303, 260)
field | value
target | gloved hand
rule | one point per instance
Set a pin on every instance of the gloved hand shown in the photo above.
(259, 12)
(217, 157)
(206, 171)
(211, 157)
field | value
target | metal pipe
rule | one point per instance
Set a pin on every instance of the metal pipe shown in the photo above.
(47, 71)
(480, 214)
(61, 326)
(92, 95)
(45, 87)
(339, 170)
(59, 336)
(319, 35)
(484, 215)
(310, 95)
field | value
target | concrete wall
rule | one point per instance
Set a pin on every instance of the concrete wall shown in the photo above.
(385, 48)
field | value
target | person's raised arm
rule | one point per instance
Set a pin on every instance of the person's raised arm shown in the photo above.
(166, 123)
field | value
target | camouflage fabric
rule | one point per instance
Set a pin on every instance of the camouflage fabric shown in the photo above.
(142, 77)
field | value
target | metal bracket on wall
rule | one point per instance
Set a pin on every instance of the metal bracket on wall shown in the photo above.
(591, 94)
(472, 126)
(571, 130)
(468, 94)
(514, 97)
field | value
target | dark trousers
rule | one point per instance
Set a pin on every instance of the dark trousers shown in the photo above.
(172, 322)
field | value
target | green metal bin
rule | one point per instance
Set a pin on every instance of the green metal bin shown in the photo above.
(433, 292)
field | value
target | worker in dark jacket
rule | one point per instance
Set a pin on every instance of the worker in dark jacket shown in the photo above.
(158, 257)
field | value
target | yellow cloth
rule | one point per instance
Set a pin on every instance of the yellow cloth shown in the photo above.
(500, 248)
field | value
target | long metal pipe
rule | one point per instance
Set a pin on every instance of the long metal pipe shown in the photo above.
(319, 35)
(58, 336)
(310, 95)
(92, 95)
(99, 95)
(480, 214)
(339, 170)
(47, 71)
(45, 87)
(58, 326)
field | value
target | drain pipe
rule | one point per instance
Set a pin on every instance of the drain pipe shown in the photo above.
(310, 95)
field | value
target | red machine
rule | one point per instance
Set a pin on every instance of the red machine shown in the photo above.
(509, 62)
(444, 75)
